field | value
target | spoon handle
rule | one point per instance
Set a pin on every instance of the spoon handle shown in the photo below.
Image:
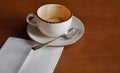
(36, 47)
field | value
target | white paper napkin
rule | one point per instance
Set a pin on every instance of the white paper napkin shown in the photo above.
(15, 57)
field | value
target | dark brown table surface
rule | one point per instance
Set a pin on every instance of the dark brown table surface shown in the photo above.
(98, 51)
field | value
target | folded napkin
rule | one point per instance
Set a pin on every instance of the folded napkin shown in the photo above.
(16, 56)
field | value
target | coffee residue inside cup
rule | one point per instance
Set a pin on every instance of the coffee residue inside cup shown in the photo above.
(53, 20)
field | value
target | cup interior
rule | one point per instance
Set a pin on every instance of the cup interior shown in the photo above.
(54, 13)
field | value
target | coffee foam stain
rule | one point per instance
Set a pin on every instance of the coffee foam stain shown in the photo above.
(54, 13)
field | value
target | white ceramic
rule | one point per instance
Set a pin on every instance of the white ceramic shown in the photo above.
(51, 19)
(37, 36)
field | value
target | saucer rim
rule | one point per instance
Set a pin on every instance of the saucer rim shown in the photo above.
(80, 36)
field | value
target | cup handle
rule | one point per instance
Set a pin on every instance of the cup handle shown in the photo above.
(31, 19)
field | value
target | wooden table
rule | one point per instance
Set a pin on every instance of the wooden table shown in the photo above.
(98, 51)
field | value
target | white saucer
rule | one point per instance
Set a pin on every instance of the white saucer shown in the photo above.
(37, 36)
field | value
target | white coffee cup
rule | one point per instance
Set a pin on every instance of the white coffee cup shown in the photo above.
(51, 19)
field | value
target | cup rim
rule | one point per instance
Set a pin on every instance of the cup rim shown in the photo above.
(54, 22)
